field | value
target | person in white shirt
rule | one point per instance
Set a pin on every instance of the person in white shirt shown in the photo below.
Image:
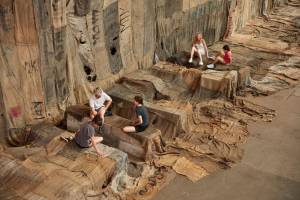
(199, 47)
(99, 104)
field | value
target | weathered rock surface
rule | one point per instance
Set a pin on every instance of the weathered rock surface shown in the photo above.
(54, 52)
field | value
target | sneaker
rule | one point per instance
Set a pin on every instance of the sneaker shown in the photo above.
(210, 66)
(201, 63)
(190, 60)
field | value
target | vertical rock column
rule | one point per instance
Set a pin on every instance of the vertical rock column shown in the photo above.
(51, 24)
(144, 31)
(21, 83)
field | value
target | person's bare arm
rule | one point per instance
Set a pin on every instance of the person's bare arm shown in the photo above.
(94, 144)
(137, 121)
(92, 108)
(108, 104)
(77, 132)
(91, 103)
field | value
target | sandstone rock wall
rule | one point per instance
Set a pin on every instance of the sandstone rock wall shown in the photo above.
(54, 52)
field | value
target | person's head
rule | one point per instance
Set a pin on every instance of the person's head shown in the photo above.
(226, 48)
(97, 92)
(138, 100)
(198, 38)
(96, 122)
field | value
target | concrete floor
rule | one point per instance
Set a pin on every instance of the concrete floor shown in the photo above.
(270, 169)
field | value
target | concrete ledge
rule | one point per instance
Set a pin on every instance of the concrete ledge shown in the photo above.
(75, 116)
(217, 83)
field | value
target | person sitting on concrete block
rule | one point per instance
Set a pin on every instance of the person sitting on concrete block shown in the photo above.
(142, 118)
(199, 47)
(223, 57)
(85, 136)
(99, 104)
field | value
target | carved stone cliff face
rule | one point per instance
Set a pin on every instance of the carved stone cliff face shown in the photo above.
(54, 52)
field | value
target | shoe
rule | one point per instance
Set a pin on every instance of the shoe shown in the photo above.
(210, 66)
(201, 63)
(190, 60)
(67, 139)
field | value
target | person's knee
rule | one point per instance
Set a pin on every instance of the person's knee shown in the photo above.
(94, 113)
(102, 111)
(125, 129)
(101, 115)
(220, 60)
(129, 129)
(99, 140)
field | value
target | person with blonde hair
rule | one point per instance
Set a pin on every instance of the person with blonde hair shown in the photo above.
(99, 103)
(199, 47)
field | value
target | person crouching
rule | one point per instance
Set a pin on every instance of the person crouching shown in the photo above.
(86, 138)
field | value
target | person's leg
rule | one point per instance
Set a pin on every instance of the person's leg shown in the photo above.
(192, 54)
(101, 114)
(220, 54)
(93, 114)
(200, 57)
(219, 59)
(98, 139)
(129, 129)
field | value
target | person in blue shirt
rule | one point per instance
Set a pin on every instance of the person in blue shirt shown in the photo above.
(142, 119)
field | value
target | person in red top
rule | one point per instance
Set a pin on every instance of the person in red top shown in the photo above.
(224, 57)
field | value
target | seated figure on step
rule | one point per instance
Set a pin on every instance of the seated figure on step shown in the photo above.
(142, 119)
(199, 47)
(99, 104)
(223, 57)
(85, 136)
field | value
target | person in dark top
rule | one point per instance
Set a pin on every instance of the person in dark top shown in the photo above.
(142, 118)
(86, 138)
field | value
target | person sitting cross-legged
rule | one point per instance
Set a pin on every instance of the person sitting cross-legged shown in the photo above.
(142, 119)
(85, 136)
